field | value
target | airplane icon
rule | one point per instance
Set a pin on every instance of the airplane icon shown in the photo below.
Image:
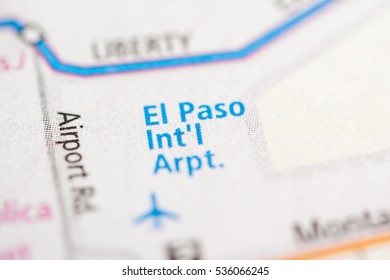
(155, 214)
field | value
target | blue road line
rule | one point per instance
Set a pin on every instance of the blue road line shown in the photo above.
(13, 24)
(46, 52)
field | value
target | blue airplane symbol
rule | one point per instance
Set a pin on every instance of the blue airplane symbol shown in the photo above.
(155, 213)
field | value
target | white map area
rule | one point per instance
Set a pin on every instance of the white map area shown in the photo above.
(303, 173)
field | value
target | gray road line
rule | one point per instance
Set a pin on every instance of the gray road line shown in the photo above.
(53, 166)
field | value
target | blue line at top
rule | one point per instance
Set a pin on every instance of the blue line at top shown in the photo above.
(43, 48)
(14, 24)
